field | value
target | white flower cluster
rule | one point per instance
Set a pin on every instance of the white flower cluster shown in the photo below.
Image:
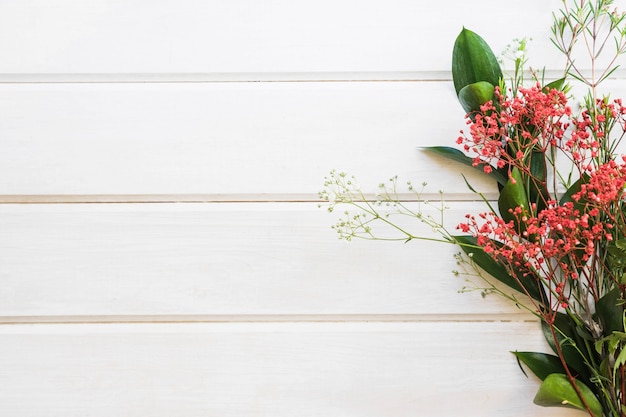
(385, 210)
(388, 215)
(516, 51)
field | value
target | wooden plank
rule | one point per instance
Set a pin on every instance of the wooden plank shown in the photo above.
(243, 36)
(278, 369)
(260, 141)
(238, 138)
(214, 260)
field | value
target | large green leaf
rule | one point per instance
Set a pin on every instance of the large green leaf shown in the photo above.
(557, 391)
(610, 312)
(567, 336)
(474, 95)
(473, 61)
(458, 156)
(513, 195)
(497, 270)
(541, 364)
(537, 188)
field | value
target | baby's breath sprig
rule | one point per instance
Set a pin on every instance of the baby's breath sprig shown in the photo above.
(379, 218)
(517, 53)
(477, 279)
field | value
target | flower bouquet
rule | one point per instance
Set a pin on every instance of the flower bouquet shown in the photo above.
(557, 232)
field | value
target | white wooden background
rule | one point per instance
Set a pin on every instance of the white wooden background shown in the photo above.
(162, 253)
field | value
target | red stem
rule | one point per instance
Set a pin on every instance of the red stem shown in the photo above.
(572, 380)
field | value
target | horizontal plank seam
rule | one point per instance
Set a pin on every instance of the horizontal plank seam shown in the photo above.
(212, 198)
(244, 77)
(270, 318)
(257, 81)
(233, 77)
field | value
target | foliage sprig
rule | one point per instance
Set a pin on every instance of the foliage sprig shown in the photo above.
(556, 237)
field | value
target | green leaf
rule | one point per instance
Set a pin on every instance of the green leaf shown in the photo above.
(497, 270)
(458, 156)
(538, 191)
(573, 189)
(617, 258)
(566, 336)
(610, 312)
(580, 205)
(469, 186)
(541, 364)
(619, 361)
(555, 85)
(610, 343)
(513, 195)
(557, 391)
(474, 95)
(473, 61)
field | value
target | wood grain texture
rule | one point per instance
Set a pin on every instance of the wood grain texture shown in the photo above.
(243, 36)
(248, 307)
(269, 369)
(236, 138)
(267, 139)
(221, 259)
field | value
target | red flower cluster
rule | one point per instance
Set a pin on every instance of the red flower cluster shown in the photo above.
(509, 129)
(559, 232)
(588, 132)
(605, 186)
(557, 242)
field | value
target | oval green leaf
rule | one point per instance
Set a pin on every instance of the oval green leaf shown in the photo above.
(557, 391)
(473, 61)
(513, 195)
(474, 95)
